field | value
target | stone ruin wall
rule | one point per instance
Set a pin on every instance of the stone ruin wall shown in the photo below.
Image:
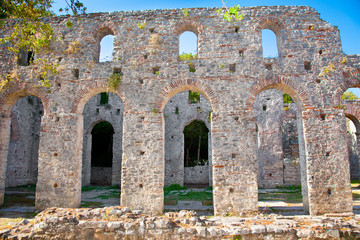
(275, 120)
(152, 74)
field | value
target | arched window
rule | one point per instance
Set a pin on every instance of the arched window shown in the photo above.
(269, 44)
(188, 46)
(106, 48)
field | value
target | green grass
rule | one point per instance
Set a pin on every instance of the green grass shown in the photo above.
(191, 196)
(290, 197)
(112, 194)
(88, 188)
(292, 187)
(29, 187)
(173, 187)
(91, 204)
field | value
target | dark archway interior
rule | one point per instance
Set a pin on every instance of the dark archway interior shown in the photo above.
(196, 144)
(102, 144)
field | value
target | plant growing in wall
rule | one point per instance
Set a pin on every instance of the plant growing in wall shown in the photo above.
(29, 33)
(186, 12)
(73, 47)
(230, 13)
(141, 25)
(114, 81)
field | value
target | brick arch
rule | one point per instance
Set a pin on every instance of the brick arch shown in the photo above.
(83, 95)
(188, 25)
(187, 84)
(19, 89)
(351, 79)
(352, 111)
(101, 30)
(273, 23)
(297, 93)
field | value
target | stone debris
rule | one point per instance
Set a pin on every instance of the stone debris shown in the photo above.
(122, 222)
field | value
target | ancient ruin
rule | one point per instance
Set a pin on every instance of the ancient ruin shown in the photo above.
(254, 138)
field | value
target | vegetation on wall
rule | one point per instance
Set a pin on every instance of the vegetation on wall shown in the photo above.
(30, 34)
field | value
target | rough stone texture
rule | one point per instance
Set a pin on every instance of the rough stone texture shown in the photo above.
(122, 223)
(24, 142)
(302, 37)
(197, 175)
(101, 176)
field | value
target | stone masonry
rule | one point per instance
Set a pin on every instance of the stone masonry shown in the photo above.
(230, 74)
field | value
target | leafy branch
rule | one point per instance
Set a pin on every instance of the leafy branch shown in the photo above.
(230, 12)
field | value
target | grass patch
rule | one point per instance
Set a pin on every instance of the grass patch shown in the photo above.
(112, 194)
(191, 196)
(91, 204)
(173, 187)
(114, 187)
(290, 197)
(15, 199)
(292, 187)
(88, 188)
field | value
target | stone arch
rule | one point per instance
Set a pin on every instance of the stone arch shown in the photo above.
(352, 112)
(86, 123)
(271, 81)
(272, 23)
(88, 91)
(187, 84)
(188, 25)
(352, 79)
(17, 90)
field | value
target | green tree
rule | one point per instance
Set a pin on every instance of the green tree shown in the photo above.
(349, 95)
(30, 34)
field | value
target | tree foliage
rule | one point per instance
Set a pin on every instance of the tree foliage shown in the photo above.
(349, 95)
(30, 34)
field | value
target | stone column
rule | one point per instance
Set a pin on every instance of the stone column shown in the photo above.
(4, 148)
(143, 162)
(86, 162)
(60, 161)
(234, 163)
(117, 155)
(327, 164)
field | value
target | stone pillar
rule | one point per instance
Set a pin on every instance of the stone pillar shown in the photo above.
(327, 165)
(60, 161)
(4, 148)
(86, 163)
(143, 162)
(117, 155)
(234, 163)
